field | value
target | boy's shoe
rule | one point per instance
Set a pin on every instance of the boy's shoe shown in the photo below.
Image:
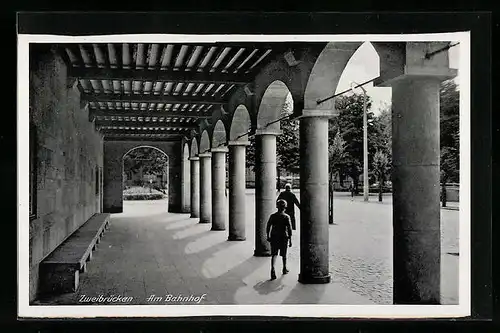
(285, 271)
(273, 275)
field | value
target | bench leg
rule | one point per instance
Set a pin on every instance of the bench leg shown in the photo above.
(59, 279)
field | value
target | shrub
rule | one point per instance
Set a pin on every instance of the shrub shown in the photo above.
(144, 196)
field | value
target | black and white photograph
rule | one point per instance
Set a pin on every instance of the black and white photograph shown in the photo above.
(291, 175)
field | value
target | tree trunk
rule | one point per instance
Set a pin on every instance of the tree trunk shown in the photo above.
(380, 190)
(355, 181)
(341, 178)
(443, 194)
(278, 182)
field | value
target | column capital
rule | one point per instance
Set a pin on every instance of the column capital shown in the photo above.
(418, 72)
(264, 131)
(319, 113)
(219, 150)
(206, 154)
(194, 158)
(238, 143)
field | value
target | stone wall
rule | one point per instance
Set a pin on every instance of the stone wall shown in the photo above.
(68, 151)
(113, 173)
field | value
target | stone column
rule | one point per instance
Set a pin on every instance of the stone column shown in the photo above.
(265, 188)
(219, 209)
(186, 186)
(314, 233)
(416, 178)
(237, 190)
(195, 186)
(205, 188)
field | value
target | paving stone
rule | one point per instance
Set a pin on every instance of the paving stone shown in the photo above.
(141, 256)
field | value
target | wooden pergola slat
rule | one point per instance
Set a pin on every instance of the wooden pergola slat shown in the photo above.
(142, 138)
(157, 75)
(151, 124)
(130, 113)
(137, 98)
(141, 132)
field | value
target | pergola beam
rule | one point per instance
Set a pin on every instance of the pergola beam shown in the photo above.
(141, 138)
(133, 113)
(150, 124)
(168, 99)
(158, 132)
(156, 75)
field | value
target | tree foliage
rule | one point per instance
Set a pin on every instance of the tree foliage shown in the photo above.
(287, 143)
(149, 159)
(381, 167)
(336, 152)
(349, 124)
(450, 132)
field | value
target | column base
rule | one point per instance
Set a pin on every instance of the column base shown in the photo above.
(205, 222)
(236, 238)
(314, 279)
(260, 253)
(194, 216)
(218, 229)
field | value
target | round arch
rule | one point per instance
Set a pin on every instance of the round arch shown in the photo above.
(240, 124)
(204, 142)
(194, 148)
(219, 136)
(145, 146)
(272, 104)
(166, 173)
(326, 72)
(186, 151)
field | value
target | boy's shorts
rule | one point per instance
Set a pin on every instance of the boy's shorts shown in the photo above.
(280, 247)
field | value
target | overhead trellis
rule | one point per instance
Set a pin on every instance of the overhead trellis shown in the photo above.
(158, 86)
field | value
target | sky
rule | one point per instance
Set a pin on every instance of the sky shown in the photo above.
(364, 65)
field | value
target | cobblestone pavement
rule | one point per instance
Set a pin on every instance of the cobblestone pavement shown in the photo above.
(150, 252)
(361, 248)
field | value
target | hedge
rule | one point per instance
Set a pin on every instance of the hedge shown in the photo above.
(144, 196)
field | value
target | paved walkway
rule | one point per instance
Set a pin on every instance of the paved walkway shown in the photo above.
(150, 256)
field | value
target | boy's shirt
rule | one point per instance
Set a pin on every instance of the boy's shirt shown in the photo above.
(280, 225)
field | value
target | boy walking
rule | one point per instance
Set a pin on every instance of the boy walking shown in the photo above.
(279, 234)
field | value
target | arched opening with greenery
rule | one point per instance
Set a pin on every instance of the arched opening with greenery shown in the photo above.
(145, 174)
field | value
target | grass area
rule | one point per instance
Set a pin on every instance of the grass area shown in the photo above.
(142, 193)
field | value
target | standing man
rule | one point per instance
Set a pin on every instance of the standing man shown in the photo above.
(291, 201)
(279, 234)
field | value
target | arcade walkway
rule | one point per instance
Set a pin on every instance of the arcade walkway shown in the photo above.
(150, 252)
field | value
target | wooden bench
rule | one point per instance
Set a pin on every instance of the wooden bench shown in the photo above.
(60, 271)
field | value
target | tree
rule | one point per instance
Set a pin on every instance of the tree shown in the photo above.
(449, 135)
(350, 125)
(384, 123)
(250, 153)
(336, 152)
(380, 168)
(149, 160)
(336, 155)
